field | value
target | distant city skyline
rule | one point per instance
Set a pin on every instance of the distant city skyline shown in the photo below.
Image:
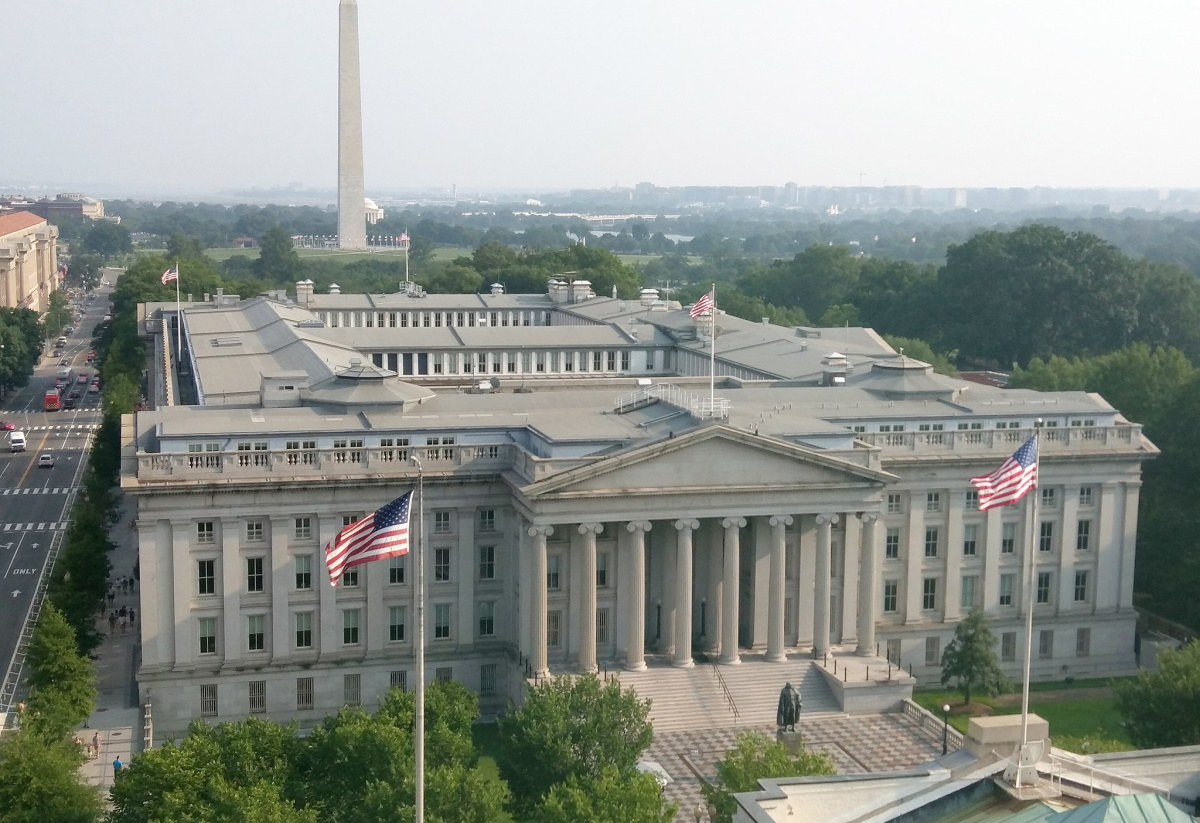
(141, 97)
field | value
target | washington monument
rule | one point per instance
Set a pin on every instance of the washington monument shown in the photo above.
(352, 221)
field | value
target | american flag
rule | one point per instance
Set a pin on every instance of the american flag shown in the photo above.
(1008, 484)
(703, 306)
(403, 238)
(170, 274)
(377, 536)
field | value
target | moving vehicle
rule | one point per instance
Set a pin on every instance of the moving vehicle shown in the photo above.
(60, 342)
(75, 393)
(5, 426)
(83, 378)
(94, 388)
(71, 402)
(52, 401)
(16, 441)
(66, 375)
(45, 460)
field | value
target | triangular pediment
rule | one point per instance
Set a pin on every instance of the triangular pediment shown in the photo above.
(712, 458)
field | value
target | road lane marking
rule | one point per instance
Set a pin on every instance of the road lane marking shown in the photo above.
(14, 557)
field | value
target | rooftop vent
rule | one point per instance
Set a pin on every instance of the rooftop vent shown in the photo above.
(225, 341)
(497, 289)
(334, 288)
(649, 297)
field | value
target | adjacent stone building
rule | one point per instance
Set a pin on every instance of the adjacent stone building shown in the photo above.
(28, 261)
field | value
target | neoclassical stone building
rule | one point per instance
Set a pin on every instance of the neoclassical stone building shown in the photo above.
(28, 261)
(588, 503)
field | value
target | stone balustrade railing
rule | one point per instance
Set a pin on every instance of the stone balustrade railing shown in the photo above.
(1065, 438)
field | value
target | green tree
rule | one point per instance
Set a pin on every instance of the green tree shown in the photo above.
(608, 797)
(40, 783)
(58, 313)
(570, 726)
(107, 239)
(182, 247)
(970, 658)
(1162, 708)
(840, 314)
(920, 350)
(755, 756)
(277, 259)
(62, 682)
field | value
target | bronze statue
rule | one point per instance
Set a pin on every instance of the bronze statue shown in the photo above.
(789, 708)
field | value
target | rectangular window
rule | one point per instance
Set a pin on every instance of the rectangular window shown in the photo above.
(487, 562)
(443, 674)
(303, 564)
(398, 680)
(1043, 586)
(350, 619)
(255, 634)
(304, 630)
(895, 504)
(1085, 495)
(1046, 644)
(441, 522)
(396, 615)
(347, 519)
(487, 618)
(890, 588)
(487, 520)
(553, 561)
(970, 534)
(1083, 642)
(970, 584)
(1081, 587)
(304, 693)
(971, 500)
(1049, 499)
(350, 578)
(1008, 537)
(933, 502)
(441, 565)
(601, 626)
(441, 621)
(1008, 647)
(933, 650)
(1046, 537)
(931, 542)
(601, 570)
(204, 532)
(254, 531)
(892, 650)
(396, 570)
(554, 629)
(1083, 536)
(625, 361)
(891, 544)
(487, 679)
(303, 529)
(254, 574)
(929, 594)
(352, 689)
(208, 700)
(1006, 589)
(208, 635)
(258, 696)
(206, 577)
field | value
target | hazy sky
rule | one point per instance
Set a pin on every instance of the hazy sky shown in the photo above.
(197, 96)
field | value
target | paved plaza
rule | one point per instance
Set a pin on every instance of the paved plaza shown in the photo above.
(858, 744)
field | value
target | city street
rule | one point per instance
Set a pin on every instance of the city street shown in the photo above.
(35, 500)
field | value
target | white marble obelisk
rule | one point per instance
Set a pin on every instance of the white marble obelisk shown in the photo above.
(352, 217)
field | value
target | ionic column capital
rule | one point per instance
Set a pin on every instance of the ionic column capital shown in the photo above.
(781, 520)
(734, 522)
(591, 528)
(868, 517)
(687, 524)
(541, 531)
(638, 526)
(826, 517)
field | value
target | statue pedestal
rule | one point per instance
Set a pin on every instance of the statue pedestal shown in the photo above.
(792, 741)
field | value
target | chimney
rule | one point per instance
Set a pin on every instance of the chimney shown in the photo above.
(614, 291)
(304, 292)
(649, 297)
(334, 288)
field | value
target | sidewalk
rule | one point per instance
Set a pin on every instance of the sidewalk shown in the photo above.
(118, 717)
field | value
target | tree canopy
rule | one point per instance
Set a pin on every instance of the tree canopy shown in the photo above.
(1162, 708)
(753, 757)
(969, 659)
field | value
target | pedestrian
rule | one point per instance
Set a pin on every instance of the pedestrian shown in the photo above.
(112, 622)
(132, 616)
(124, 585)
(117, 765)
(112, 595)
(124, 611)
(122, 622)
(96, 743)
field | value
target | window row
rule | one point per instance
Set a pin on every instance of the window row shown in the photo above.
(934, 500)
(970, 539)
(968, 426)
(508, 362)
(254, 528)
(434, 319)
(971, 593)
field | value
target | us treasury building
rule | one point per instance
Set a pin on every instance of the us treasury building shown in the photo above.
(590, 501)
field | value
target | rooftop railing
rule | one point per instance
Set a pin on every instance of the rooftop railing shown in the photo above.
(1051, 439)
(700, 407)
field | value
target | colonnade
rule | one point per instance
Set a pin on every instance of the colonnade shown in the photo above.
(631, 593)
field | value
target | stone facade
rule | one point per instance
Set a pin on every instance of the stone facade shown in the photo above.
(28, 261)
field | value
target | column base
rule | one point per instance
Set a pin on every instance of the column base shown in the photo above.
(864, 651)
(635, 667)
(683, 664)
(588, 669)
(542, 675)
(733, 661)
(781, 657)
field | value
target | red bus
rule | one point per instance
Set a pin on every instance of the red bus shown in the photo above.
(51, 402)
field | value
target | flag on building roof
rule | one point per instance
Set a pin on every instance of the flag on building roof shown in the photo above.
(170, 274)
(1008, 484)
(703, 306)
(377, 536)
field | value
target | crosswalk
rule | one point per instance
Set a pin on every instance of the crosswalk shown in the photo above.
(52, 526)
(27, 490)
(64, 427)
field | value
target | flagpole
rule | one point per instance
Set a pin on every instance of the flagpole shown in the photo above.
(1032, 550)
(712, 355)
(419, 651)
(178, 321)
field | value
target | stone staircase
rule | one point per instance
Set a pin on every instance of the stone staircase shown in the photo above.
(683, 699)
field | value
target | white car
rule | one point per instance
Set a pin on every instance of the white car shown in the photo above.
(45, 460)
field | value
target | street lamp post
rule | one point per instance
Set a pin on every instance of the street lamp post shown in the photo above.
(945, 727)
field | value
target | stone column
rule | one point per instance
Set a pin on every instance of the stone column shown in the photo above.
(775, 595)
(868, 584)
(233, 579)
(537, 618)
(683, 593)
(716, 539)
(821, 600)
(184, 587)
(282, 582)
(635, 603)
(587, 600)
(729, 590)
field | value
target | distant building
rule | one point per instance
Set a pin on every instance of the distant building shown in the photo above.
(374, 213)
(78, 206)
(245, 243)
(28, 261)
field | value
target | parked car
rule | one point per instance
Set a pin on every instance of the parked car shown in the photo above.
(45, 460)
(66, 361)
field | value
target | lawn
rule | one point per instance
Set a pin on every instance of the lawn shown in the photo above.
(487, 742)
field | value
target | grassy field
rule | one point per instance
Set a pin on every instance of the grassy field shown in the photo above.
(486, 742)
